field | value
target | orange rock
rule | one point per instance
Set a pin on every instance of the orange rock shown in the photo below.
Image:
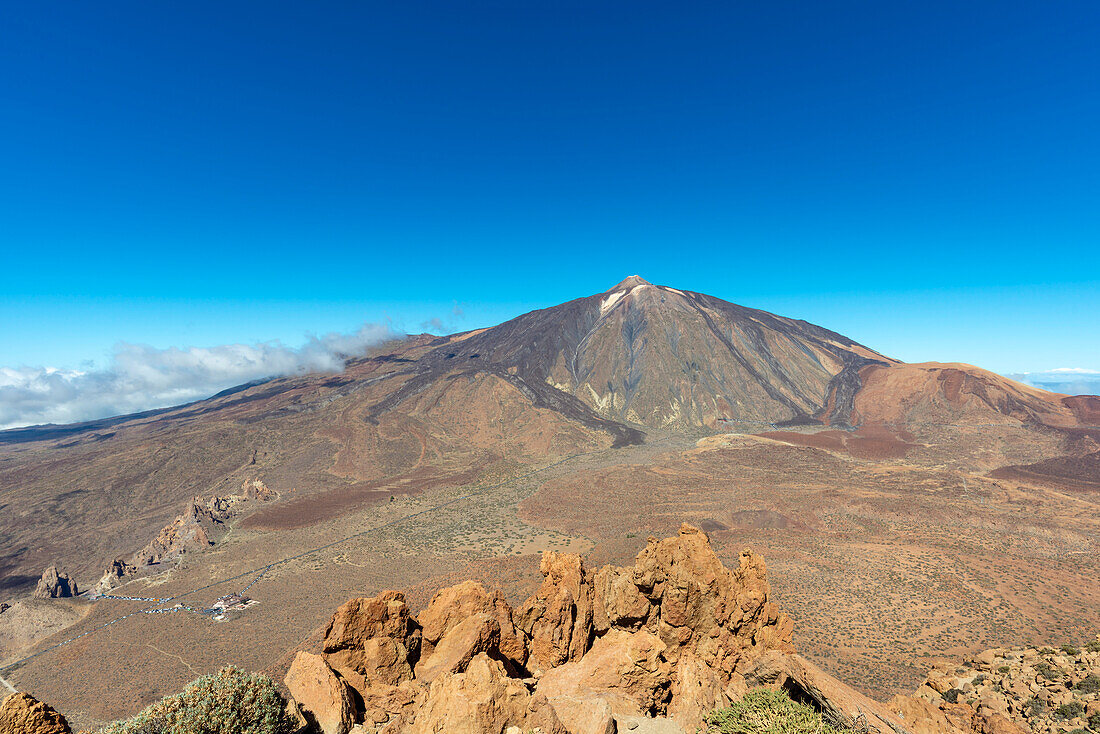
(483, 699)
(558, 617)
(628, 670)
(385, 615)
(23, 714)
(723, 617)
(618, 602)
(372, 641)
(452, 605)
(477, 633)
(323, 697)
(696, 690)
(921, 717)
(837, 701)
(584, 715)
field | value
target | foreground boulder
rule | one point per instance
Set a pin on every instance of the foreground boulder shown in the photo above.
(323, 697)
(22, 714)
(628, 671)
(557, 619)
(484, 699)
(451, 606)
(55, 585)
(373, 641)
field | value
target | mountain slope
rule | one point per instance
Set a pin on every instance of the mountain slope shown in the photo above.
(658, 356)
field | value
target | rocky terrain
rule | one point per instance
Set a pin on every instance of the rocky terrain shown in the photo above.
(1047, 690)
(654, 648)
(906, 508)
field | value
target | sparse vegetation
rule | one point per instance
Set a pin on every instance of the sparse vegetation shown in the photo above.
(1093, 645)
(1090, 684)
(1069, 710)
(230, 702)
(1035, 707)
(1003, 669)
(767, 712)
(1094, 722)
(952, 695)
(1070, 650)
(1047, 670)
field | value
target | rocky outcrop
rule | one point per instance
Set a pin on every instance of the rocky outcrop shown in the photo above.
(557, 619)
(55, 585)
(838, 703)
(1009, 691)
(665, 638)
(192, 531)
(477, 633)
(22, 714)
(452, 605)
(484, 699)
(627, 670)
(324, 699)
(113, 577)
(183, 535)
(372, 642)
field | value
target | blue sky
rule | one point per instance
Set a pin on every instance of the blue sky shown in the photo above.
(921, 177)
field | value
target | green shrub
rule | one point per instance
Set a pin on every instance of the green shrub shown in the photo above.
(952, 695)
(1035, 707)
(1048, 671)
(1003, 669)
(1094, 722)
(1093, 646)
(767, 712)
(230, 702)
(1089, 684)
(1070, 650)
(1069, 710)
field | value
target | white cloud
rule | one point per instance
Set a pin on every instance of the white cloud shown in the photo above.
(1068, 380)
(141, 377)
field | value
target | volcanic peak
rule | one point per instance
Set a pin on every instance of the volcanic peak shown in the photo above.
(631, 281)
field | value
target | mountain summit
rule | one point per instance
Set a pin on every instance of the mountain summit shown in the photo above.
(659, 356)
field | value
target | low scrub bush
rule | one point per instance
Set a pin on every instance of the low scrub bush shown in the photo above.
(230, 702)
(1048, 671)
(1093, 646)
(767, 712)
(1089, 684)
(1069, 710)
(1070, 650)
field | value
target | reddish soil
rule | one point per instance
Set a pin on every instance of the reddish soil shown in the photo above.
(1067, 471)
(874, 441)
(305, 511)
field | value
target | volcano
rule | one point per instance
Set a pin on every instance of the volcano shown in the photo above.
(585, 426)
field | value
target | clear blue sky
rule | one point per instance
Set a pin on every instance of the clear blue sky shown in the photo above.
(923, 177)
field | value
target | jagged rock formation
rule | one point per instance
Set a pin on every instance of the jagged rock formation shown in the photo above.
(190, 532)
(1005, 691)
(23, 714)
(55, 585)
(112, 577)
(673, 636)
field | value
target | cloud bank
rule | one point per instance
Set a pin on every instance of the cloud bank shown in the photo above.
(140, 377)
(1068, 380)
